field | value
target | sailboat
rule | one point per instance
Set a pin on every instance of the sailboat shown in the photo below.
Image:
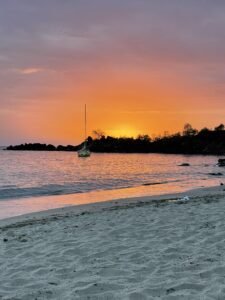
(84, 151)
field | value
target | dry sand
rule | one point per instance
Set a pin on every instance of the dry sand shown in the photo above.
(133, 249)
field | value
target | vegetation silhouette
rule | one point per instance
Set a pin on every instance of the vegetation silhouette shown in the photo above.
(190, 141)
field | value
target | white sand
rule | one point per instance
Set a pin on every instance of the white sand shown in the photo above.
(137, 249)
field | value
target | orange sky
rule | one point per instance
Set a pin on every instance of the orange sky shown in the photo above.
(141, 68)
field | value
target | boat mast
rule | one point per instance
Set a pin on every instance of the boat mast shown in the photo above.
(85, 121)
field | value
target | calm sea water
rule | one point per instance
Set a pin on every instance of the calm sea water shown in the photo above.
(37, 181)
(32, 174)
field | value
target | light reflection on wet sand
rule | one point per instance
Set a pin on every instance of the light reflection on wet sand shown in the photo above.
(16, 207)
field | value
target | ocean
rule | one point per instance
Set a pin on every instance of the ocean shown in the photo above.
(33, 175)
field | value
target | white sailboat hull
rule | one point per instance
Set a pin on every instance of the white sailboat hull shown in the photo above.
(84, 153)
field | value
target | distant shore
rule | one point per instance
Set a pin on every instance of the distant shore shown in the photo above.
(191, 141)
(167, 246)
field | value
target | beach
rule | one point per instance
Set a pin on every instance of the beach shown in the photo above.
(112, 150)
(163, 247)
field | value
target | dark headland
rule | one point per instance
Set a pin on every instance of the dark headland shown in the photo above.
(190, 141)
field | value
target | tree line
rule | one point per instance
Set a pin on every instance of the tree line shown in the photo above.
(189, 141)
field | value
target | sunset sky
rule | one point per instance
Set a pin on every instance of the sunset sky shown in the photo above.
(141, 66)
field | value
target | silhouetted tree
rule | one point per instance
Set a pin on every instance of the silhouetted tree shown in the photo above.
(221, 127)
(99, 134)
(144, 137)
(204, 131)
(189, 130)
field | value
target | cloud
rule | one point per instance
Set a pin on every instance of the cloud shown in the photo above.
(28, 71)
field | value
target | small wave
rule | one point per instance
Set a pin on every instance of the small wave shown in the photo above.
(2, 187)
(153, 183)
(47, 190)
(14, 192)
(161, 182)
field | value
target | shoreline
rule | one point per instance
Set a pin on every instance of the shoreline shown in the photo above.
(108, 204)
